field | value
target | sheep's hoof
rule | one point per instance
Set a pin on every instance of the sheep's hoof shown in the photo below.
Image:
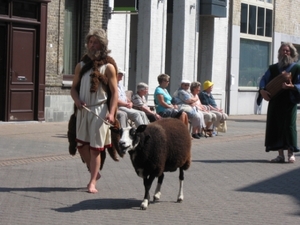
(144, 204)
(156, 197)
(180, 199)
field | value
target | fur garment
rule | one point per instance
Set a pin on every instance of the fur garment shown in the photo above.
(96, 78)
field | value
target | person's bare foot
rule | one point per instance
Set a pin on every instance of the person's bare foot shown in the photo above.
(97, 178)
(92, 188)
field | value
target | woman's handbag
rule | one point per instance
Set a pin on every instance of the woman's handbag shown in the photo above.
(222, 127)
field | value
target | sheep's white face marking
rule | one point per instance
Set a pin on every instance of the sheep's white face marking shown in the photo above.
(128, 140)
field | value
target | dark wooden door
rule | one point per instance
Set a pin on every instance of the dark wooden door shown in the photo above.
(22, 74)
(3, 70)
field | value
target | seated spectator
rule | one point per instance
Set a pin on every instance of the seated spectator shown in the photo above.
(139, 102)
(208, 100)
(123, 119)
(125, 105)
(209, 117)
(163, 99)
(184, 99)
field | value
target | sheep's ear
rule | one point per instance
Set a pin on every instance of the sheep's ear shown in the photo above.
(141, 128)
(115, 129)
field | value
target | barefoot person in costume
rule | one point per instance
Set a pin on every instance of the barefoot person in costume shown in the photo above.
(281, 129)
(95, 87)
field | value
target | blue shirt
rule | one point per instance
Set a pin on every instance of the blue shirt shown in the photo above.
(167, 98)
(207, 99)
(181, 96)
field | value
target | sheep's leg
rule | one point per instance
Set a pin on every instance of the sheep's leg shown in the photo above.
(147, 184)
(181, 178)
(157, 192)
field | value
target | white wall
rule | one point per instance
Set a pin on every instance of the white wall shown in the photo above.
(185, 37)
(151, 46)
(219, 63)
(118, 32)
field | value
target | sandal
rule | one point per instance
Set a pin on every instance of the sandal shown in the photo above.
(291, 158)
(208, 132)
(278, 159)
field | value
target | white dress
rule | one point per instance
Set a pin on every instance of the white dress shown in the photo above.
(90, 129)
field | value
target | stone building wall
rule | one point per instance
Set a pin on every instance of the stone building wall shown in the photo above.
(236, 18)
(287, 17)
(54, 44)
(58, 102)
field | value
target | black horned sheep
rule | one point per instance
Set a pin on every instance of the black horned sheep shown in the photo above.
(161, 146)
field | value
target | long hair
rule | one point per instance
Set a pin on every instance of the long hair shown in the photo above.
(294, 52)
(101, 36)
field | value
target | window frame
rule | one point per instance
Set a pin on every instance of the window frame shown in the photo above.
(67, 78)
(256, 37)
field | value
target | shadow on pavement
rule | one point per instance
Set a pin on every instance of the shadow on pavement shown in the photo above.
(40, 189)
(285, 184)
(247, 120)
(233, 161)
(60, 136)
(98, 204)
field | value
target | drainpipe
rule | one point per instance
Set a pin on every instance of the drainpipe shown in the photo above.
(229, 57)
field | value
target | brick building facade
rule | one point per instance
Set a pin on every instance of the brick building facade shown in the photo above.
(85, 15)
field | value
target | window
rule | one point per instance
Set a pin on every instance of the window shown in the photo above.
(254, 61)
(267, 1)
(260, 21)
(244, 18)
(28, 10)
(268, 23)
(256, 20)
(255, 42)
(252, 19)
(4, 8)
(71, 51)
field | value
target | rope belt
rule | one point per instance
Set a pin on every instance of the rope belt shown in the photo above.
(100, 103)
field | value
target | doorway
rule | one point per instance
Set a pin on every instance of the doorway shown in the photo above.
(21, 74)
(23, 33)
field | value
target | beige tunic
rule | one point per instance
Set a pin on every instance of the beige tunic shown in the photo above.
(91, 129)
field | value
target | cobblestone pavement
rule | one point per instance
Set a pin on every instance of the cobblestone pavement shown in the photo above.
(230, 181)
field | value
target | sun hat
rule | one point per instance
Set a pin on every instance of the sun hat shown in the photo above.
(207, 84)
(184, 81)
(121, 71)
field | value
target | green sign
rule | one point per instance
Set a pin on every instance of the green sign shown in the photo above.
(126, 5)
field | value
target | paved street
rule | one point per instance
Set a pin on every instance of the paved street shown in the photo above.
(230, 181)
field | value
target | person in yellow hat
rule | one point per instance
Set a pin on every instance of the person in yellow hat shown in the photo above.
(208, 100)
(207, 84)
